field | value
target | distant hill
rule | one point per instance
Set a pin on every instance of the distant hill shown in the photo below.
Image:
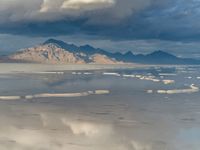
(58, 52)
(158, 57)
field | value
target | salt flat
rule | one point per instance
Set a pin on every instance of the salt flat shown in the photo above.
(43, 68)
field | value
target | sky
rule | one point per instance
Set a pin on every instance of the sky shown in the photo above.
(140, 26)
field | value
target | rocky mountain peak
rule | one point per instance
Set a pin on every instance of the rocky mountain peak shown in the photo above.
(52, 52)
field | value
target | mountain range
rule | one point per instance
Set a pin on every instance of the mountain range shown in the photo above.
(58, 52)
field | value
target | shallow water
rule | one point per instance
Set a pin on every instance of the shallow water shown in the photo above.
(127, 114)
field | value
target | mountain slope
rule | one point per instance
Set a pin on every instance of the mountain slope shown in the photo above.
(157, 57)
(87, 49)
(52, 53)
(58, 52)
(47, 54)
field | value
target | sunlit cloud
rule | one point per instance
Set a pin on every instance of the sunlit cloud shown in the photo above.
(92, 4)
(88, 129)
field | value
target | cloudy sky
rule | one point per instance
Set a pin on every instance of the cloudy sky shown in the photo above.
(116, 25)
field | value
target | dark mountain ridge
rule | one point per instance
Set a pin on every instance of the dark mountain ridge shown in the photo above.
(86, 53)
(157, 57)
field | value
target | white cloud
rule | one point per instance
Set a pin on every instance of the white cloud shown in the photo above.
(88, 129)
(47, 10)
(51, 10)
(57, 131)
(89, 4)
(141, 146)
(78, 5)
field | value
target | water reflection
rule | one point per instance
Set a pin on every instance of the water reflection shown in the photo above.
(127, 118)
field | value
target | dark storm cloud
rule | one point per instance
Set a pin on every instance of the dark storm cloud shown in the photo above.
(111, 19)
